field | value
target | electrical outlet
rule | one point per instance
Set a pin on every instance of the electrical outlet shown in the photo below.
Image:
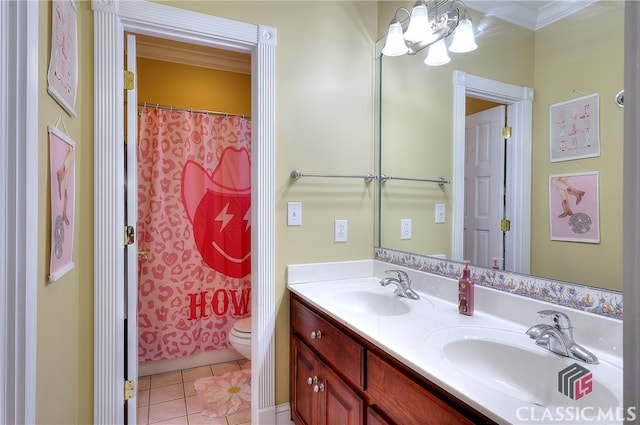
(294, 213)
(405, 228)
(340, 231)
(440, 213)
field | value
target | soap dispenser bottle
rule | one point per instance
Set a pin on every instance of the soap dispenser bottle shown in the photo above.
(465, 291)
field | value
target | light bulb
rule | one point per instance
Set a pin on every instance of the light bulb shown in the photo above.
(463, 39)
(395, 46)
(437, 54)
(419, 28)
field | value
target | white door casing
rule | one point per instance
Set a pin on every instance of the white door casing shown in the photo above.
(131, 251)
(518, 207)
(484, 186)
(111, 19)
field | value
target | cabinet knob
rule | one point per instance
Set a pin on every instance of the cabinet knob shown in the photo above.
(316, 334)
(312, 380)
(319, 388)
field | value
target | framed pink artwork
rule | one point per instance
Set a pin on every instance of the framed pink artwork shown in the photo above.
(62, 76)
(574, 207)
(62, 157)
(574, 129)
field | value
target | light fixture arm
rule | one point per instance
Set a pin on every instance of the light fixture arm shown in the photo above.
(444, 24)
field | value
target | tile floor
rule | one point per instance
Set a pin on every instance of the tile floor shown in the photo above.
(169, 398)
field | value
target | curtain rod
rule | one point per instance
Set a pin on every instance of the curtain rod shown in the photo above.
(199, 111)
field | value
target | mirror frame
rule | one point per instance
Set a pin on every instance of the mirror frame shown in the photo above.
(519, 101)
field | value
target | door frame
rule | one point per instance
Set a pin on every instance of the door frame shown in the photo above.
(519, 102)
(19, 195)
(111, 20)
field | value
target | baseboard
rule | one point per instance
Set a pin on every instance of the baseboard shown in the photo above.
(283, 414)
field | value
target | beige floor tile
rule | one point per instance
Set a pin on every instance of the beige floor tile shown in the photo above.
(144, 382)
(189, 375)
(245, 363)
(169, 392)
(167, 410)
(221, 368)
(143, 415)
(239, 418)
(182, 420)
(198, 419)
(193, 405)
(189, 389)
(164, 379)
(143, 398)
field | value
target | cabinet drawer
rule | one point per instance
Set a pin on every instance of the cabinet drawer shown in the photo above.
(404, 400)
(336, 348)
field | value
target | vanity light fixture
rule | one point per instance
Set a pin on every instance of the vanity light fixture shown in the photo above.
(430, 27)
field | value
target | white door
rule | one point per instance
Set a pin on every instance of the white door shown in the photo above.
(131, 254)
(484, 186)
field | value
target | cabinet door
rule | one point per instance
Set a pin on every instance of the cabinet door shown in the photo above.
(374, 418)
(304, 401)
(341, 404)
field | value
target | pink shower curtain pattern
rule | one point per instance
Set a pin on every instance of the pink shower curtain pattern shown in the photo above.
(194, 222)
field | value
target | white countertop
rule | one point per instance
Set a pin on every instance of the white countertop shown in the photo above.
(414, 337)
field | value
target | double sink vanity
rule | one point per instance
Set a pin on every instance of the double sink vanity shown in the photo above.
(361, 354)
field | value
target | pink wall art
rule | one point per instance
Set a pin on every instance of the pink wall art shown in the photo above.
(574, 207)
(62, 160)
(574, 129)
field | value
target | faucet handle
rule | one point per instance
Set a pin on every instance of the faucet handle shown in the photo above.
(560, 320)
(402, 275)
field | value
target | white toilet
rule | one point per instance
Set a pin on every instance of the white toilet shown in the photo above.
(240, 337)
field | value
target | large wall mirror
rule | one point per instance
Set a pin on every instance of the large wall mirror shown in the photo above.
(579, 54)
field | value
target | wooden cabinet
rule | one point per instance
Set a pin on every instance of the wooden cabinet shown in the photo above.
(319, 395)
(337, 377)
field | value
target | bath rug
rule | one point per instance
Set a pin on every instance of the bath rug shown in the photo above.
(224, 394)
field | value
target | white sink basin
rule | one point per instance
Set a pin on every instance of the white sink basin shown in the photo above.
(510, 363)
(372, 299)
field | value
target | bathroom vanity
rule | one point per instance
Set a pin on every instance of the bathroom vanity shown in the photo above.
(360, 354)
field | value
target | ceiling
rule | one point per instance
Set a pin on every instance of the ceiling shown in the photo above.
(531, 14)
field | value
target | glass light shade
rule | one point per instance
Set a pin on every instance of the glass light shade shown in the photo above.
(437, 54)
(394, 46)
(463, 39)
(419, 28)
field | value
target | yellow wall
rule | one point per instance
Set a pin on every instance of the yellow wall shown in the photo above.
(185, 86)
(64, 388)
(324, 110)
(567, 59)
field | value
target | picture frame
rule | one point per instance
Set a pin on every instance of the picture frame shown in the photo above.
(574, 207)
(62, 164)
(62, 76)
(574, 129)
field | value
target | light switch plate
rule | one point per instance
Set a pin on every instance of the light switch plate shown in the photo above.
(294, 213)
(440, 213)
(405, 228)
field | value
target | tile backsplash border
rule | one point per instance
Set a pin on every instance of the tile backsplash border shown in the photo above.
(580, 297)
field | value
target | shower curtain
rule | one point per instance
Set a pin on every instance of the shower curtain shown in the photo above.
(194, 230)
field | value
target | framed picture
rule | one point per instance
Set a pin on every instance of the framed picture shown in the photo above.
(62, 76)
(62, 157)
(574, 207)
(574, 129)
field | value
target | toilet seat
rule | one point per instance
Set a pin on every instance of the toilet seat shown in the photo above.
(242, 329)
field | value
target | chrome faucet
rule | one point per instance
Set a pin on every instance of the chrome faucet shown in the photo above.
(558, 338)
(403, 284)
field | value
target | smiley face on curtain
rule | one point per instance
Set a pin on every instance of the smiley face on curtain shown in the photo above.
(219, 208)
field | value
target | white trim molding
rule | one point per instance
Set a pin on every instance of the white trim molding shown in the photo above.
(111, 19)
(631, 206)
(19, 213)
(519, 101)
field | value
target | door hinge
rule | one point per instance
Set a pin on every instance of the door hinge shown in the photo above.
(129, 235)
(129, 79)
(506, 132)
(129, 390)
(505, 225)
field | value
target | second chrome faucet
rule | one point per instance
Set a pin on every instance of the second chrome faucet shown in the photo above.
(558, 338)
(402, 283)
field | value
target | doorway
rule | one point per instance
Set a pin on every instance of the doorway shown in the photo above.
(111, 21)
(518, 101)
(485, 183)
